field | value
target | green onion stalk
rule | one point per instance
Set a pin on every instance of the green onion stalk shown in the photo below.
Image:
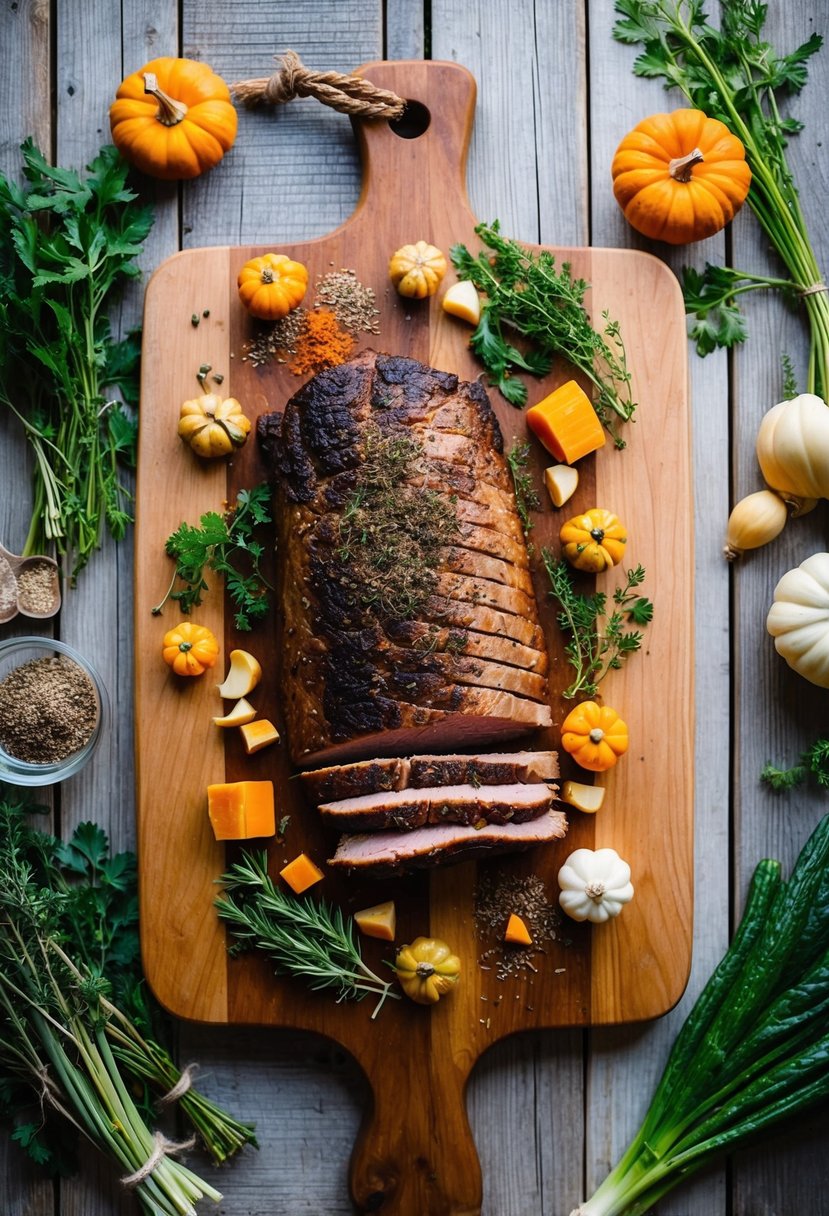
(753, 1051)
(733, 75)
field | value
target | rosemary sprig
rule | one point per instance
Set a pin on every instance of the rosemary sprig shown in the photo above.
(526, 495)
(302, 936)
(598, 642)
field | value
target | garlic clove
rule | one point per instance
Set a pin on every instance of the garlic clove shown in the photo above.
(755, 520)
(561, 481)
(462, 300)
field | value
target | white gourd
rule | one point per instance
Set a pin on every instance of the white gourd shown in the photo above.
(799, 619)
(595, 885)
(793, 450)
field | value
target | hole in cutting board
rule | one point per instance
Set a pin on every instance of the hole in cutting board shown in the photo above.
(413, 122)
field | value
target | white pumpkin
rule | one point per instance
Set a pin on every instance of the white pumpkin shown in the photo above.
(793, 450)
(799, 619)
(595, 885)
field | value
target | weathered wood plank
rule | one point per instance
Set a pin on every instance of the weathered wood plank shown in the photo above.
(525, 169)
(24, 82)
(624, 1064)
(778, 714)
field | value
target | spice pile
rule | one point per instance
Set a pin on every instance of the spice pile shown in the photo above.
(495, 898)
(310, 340)
(48, 710)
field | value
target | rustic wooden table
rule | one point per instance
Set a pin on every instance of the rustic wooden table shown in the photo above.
(549, 1111)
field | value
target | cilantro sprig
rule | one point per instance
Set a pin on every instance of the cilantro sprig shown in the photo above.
(814, 763)
(731, 72)
(225, 543)
(68, 246)
(598, 641)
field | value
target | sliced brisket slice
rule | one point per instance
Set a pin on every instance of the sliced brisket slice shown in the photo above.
(339, 781)
(406, 809)
(392, 852)
(428, 638)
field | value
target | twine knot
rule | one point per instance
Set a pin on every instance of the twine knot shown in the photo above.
(813, 290)
(162, 1147)
(182, 1085)
(348, 94)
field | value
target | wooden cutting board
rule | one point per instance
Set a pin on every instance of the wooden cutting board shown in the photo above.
(415, 1153)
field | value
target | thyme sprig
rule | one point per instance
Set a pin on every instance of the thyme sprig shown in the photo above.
(526, 495)
(527, 293)
(302, 936)
(732, 73)
(599, 641)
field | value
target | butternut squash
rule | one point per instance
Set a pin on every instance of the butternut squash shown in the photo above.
(241, 810)
(301, 873)
(566, 423)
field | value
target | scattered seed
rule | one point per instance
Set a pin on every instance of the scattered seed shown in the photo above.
(495, 898)
(218, 377)
(353, 304)
(206, 312)
(194, 320)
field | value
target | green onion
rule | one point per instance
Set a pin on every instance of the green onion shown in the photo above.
(754, 1050)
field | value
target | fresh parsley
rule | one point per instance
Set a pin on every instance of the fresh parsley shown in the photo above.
(598, 641)
(68, 245)
(731, 72)
(814, 763)
(526, 293)
(227, 544)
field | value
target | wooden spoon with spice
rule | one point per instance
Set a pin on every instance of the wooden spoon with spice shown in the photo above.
(30, 585)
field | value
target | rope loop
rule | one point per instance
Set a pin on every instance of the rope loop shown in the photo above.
(348, 94)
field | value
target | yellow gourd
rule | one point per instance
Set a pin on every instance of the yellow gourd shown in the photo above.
(213, 426)
(272, 285)
(427, 969)
(416, 270)
(594, 541)
(189, 649)
(594, 735)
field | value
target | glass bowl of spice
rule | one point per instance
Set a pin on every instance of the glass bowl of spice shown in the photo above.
(53, 709)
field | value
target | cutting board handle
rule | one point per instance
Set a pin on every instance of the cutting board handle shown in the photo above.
(415, 1153)
(415, 167)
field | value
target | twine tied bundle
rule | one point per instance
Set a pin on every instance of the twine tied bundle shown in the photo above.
(348, 94)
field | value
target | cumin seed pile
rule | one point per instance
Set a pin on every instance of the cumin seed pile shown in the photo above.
(48, 710)
(496, 896)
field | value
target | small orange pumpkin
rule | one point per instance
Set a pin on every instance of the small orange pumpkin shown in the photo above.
(594, 735)
(173, 118)
(680, 177)
(189, 649)
(594, 541)
(272, 285)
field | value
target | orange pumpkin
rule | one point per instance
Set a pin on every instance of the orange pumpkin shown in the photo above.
(173, 118)
(271, 286)
(680, 177)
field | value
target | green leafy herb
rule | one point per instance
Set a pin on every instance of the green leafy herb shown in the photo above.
(732, 73)
(753, 1051)
(526, 293)
(526, 495)
(75, 1016)
(813, 763)
(223, 543)
(68, 245)
(598, 642)
(302, 936)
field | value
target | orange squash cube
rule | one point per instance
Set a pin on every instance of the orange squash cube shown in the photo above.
(517, 932)
(301, 873)
(566, 423)
(378, 921)
(241, 810)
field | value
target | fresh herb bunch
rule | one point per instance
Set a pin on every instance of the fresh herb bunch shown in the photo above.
(733, 74)
(68, 245)
(754, 1050)
(813, 763)
(67, 925)
(222, 543)
(598, 642)
(525, 292)
(526, 495)
(302, 936)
